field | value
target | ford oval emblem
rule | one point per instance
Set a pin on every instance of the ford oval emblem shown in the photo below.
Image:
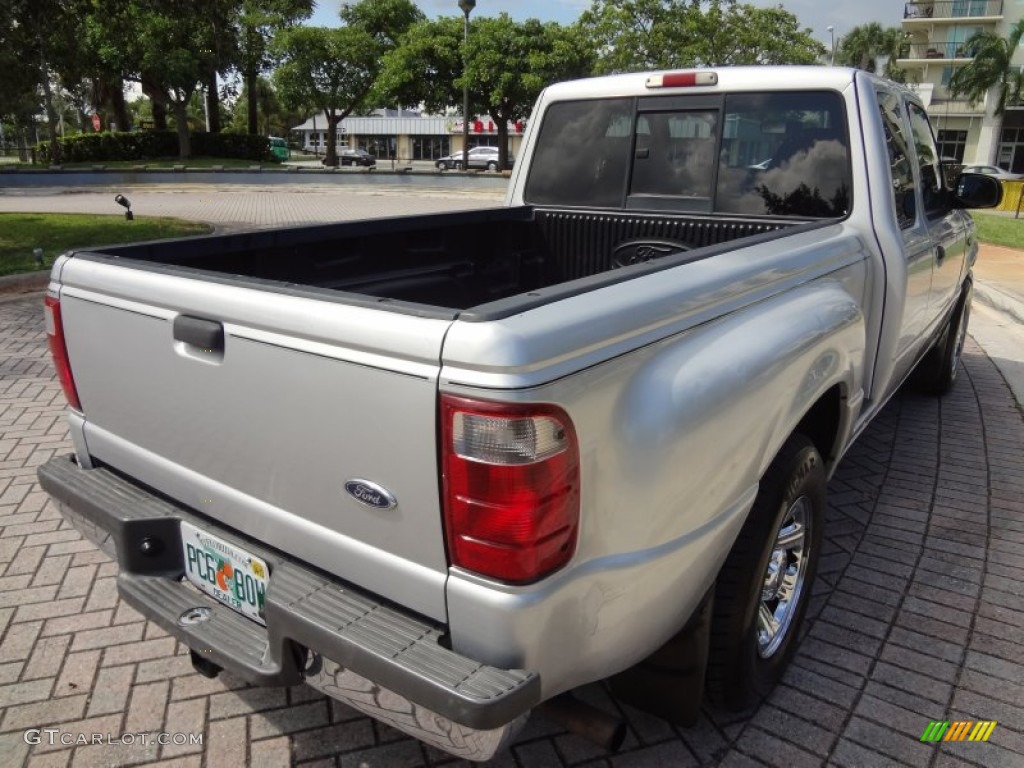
(370, 494)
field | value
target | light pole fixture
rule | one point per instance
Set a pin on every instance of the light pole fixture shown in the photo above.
(467, 6)
(832, 45)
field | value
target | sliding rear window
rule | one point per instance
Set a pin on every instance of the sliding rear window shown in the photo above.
(775, 154)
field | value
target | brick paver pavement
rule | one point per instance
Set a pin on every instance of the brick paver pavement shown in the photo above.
(918, 615)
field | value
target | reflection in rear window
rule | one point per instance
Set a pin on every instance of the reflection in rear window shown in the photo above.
(778, 154)
(675, 154)
(582, 154)
(784, 154)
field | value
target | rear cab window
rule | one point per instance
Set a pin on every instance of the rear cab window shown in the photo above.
(771, 154)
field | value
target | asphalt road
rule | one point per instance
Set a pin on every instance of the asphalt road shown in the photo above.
(917, 614)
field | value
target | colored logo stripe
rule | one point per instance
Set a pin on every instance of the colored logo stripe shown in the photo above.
(982, 730)
(958, 730)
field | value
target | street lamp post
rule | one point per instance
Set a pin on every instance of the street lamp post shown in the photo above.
(832, 45)
(467, 6)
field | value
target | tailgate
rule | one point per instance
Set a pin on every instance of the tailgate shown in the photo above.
(264, 434)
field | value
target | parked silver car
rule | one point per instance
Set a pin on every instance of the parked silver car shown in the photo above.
(991, 170)
(479, 157)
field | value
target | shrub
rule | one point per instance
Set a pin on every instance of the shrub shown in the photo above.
(237, 145)
(149, 145)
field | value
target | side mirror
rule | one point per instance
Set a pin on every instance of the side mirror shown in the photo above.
(976, 190)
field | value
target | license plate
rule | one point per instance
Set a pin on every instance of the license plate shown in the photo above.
(222, 570)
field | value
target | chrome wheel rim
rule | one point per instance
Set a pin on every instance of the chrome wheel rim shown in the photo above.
(784, 578)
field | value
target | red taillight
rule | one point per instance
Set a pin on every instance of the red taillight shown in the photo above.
(511, 487)
(59, 350)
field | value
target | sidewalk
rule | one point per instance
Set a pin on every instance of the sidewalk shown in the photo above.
(997, 321)
(999, 279)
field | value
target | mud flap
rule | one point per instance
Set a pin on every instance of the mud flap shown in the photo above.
(670, 682)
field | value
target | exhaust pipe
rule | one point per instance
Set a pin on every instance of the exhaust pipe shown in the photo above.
(582, 719)
(204, 667)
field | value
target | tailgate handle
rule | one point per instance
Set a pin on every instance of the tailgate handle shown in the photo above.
(207, 335)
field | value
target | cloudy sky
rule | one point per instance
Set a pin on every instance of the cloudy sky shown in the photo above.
(815, 14)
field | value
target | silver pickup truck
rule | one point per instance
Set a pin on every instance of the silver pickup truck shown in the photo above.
(448, 468)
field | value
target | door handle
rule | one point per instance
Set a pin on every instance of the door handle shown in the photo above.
(940, 255)
(207, 335)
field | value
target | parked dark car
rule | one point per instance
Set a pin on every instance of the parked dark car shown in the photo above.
(356, 157)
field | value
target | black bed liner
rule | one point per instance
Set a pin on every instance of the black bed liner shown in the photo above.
(475, 265)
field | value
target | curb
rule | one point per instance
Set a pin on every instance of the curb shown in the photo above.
(28, 282)
(1000, 301)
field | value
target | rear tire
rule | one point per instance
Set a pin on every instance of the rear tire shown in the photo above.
(763, 589)
(492, 166)
(936, 374)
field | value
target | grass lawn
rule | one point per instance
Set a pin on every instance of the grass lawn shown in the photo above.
(55, 233)
(999, 229)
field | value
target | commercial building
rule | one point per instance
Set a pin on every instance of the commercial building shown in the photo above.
(936, 34)
(404, 135)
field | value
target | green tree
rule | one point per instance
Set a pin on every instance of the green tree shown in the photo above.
(633, 35)
(991, 67)
(44, 48)
(862, 46)
(334, 70)
(165, 45)
(39, 42)
(256, 23)
(750, 35)
(20, 89)
(508, 63)
(274, 119)
(82, 73)
(426, 68)
(638, 35)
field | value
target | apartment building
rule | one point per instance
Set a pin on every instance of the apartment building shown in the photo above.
(935, 45)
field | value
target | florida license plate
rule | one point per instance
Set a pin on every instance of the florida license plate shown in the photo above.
(225, 572)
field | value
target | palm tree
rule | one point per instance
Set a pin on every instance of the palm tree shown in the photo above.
(862, 46)
(991, 67)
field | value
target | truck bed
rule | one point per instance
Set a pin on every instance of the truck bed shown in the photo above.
(494, 262)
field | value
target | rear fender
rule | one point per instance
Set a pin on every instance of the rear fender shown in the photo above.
(673, 442)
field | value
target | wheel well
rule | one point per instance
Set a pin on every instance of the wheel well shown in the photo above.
(821, 423)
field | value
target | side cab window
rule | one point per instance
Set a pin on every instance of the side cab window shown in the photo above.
(933, 196)
(898, 149)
